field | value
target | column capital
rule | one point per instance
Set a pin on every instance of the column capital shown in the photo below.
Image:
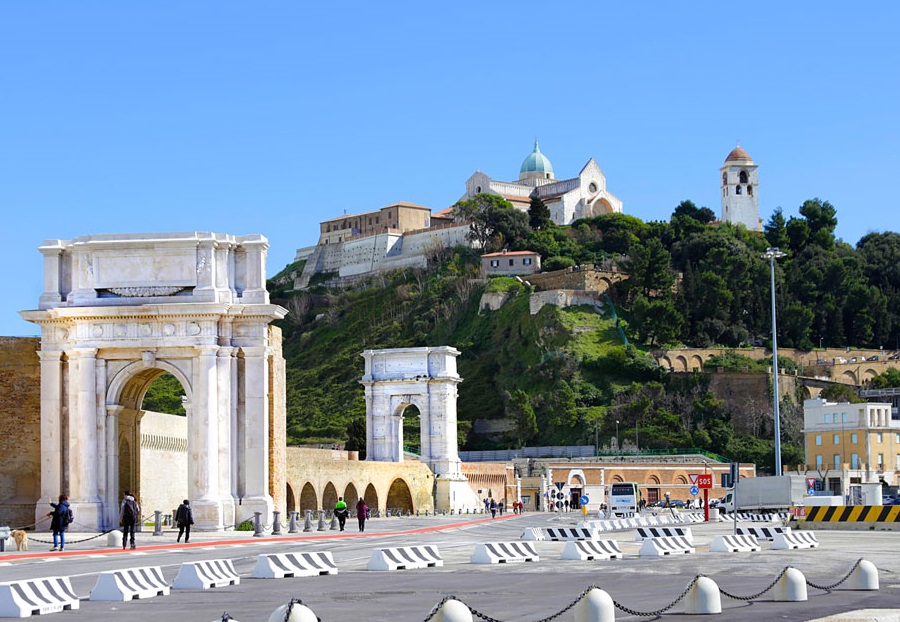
(50, 356)
(253, 351)
(85, 353)
(114, 410)
(227, 351)
(207, 350)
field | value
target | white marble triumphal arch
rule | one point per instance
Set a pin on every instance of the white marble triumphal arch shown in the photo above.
(427, 379)
(117, 312)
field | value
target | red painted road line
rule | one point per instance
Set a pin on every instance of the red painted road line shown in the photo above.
(230, 541)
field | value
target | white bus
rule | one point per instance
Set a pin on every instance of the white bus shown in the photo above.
(623, 499)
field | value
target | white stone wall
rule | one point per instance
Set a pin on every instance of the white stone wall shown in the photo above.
(562, 298)
(164, 463)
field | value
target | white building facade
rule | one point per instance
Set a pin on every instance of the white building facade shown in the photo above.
(740, 190)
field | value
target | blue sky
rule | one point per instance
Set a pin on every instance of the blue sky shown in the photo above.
(241, 118)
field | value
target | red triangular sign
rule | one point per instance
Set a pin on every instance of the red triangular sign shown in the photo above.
(693, 477)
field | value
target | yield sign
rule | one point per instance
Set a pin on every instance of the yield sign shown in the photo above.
(694, 477)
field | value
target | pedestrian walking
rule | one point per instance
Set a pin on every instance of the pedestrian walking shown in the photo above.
(493, 508)
(340, 510)
(129, 515)
(60, 519)
(362, 511)
(184, 518)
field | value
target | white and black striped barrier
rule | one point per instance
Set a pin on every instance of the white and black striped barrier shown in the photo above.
(21, 599)
(504, 553)
(795, 540)
(665, 545)
(586, 550)
(286, 565)
(557, 534)
(762, 533)
(405, 558)
(207, 574)
(642, 533)
(742, 543)
(130, 583)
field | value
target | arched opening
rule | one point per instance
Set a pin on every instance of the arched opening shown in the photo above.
(351, 496)
(308, 498)
(617, 479)
(742, 177)
(411, 429)
(329, 497)
(724, 178)
(653, 480)
(680, 480)
(737, 189)
(399, 498)
(371, 497)
(750, 190)
(290, 501)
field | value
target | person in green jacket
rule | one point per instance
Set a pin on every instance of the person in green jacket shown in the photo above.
(340, 510)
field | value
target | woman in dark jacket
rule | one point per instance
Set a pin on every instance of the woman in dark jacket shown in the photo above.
(59, 522)
(361, 511)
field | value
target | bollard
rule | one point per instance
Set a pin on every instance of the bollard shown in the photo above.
(865, 577)
(322, 526)
(426, 513)
(453, 611)
(157, 522)
(299, 613)
(334, 525)
(276, 523)
(257, 525)
(596, 606)
(387, 512)
(307, 525)
(114, 539)
(703, 598)
(293, 527)
(791, 587)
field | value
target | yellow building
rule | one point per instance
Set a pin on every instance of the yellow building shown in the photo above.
(398, 217)
(851, 444)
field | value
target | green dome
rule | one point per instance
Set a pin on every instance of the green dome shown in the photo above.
(536, 163)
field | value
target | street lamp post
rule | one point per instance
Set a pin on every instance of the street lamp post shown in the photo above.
(617, 435)
(772, 254)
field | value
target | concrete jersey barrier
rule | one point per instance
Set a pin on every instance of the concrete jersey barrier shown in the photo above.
(585, 550)
(734, 544)
(130, 583)
(557, 534)
(21, 599)
(504, 553)
(285, 565)
(405, 558)
(206, 574)
(795, 540)
(642, 533)
(666, 545)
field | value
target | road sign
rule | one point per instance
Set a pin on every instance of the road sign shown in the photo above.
(560, 496)
(693, 477)
(704, 480)
(811, 491)
(559, 485)
(811, 483)
(695, 491)
(584, 500)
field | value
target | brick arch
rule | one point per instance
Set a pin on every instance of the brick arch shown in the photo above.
(696, 362)
(371, 497)
(682, 363)
(399, 497)
(329, 496)
(680, 479)
(868, 374)
(350, 495)
(617, 479)
(849, 377)
(308, 498)
(290, 499)
(653, 480)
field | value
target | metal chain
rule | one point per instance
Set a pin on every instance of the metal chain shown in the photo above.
(658, 612)
(828, 588)
(758, 594)
(99, 535)
(296, 601)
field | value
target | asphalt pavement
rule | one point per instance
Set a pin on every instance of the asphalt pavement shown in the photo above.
(506, 592)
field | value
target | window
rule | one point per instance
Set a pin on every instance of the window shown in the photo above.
(477, 189)
(898, 437)
(880, 462)
(512, 262)
(880, 438)
(750, 190)
(837, 461)
(843, 418)
(837, 439)
(724, 178)
(592, 187)
(854, 461)
(818, 439)
(527, 261)
(377, 219)
(743, 177)
(898, 462)
(827, 417)
(818, 462)
(737, 189)
(854, 438)
(495, 263)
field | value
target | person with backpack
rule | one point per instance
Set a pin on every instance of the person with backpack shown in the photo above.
(184, 518)
(362, 511)
(129, 515)
(60, 518)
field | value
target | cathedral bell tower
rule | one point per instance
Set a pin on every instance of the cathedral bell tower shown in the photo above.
(740, 200)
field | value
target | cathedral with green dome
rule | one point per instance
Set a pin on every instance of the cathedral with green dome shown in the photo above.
(568, 199)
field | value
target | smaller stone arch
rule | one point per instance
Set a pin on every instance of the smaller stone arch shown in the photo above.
(351, 496)
(653, 480)
(329, 496)
(371, 497)
(617, 479)
(308, 498)
(682, 363)
(696, 363)
(680, 479)
(576, 478)
(849, 377)
(665, 363)
(290, 500)
(399, 497)
(868, 374)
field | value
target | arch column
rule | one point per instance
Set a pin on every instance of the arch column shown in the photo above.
(112, 466)
(203, 442)
(84, 448)
(253, 455)
(226, 374)
(52, 481)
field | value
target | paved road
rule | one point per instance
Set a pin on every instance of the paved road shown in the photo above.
(522, 592)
